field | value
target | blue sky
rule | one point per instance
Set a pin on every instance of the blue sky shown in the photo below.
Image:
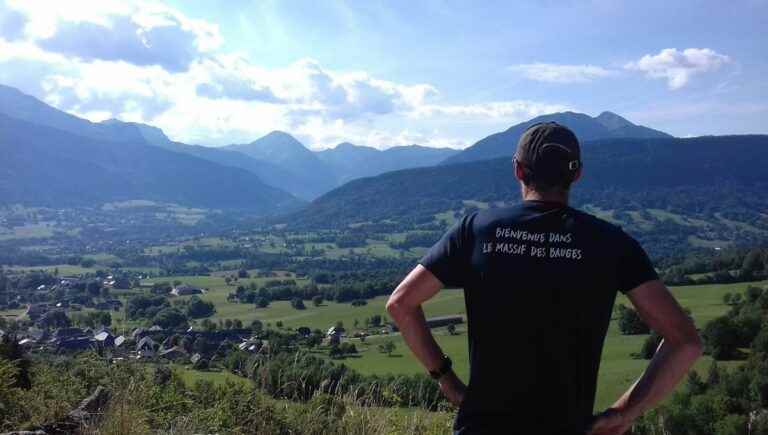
(384, 73)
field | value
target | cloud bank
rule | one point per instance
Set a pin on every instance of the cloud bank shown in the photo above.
(143, 61)
(677, 67)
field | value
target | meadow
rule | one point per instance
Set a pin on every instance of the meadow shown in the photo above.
(618, 367)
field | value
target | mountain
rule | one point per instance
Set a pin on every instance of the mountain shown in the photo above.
(606, 125)
(284, 151)
(667, 191)
(53, 158)
(350, 161)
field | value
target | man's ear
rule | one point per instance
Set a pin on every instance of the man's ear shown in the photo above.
(518, 171)
(577, 176)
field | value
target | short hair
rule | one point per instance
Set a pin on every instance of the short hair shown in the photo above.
(554, 181)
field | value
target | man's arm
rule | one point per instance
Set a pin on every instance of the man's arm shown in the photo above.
(404, 306)
(679, 349)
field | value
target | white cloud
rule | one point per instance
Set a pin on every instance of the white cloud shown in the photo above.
(677, 67)
(514, 111)
(555, 73)
(145, 62)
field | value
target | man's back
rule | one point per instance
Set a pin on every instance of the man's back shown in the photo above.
(540, 280)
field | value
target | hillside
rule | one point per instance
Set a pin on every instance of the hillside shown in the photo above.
(284, 151)
(47, 166)
(668, 191)
(353, 161)
(605, 126)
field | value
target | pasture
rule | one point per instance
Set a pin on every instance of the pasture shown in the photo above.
(618, 367)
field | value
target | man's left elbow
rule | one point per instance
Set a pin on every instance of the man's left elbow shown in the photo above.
(393, 307)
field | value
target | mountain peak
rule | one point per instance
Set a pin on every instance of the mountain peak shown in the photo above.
(278, 139)
(612, 120)
(607, 125)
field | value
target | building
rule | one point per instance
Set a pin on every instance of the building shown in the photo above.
(36, 311)
(174, 353)
(184, 290)
(104, 339)
(436, 322)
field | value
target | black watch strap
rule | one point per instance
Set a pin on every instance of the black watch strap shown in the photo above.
(444, 369)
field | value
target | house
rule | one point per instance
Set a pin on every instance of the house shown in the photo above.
(195, 358)
(146, 344)
(105, 339)
(174, 353)
(110, 304)
(62, 333)
(184, 290)
(119, 341)
(436, 322)
(72, 343)
(36, 311)
(250, 345)
(68, 281)
(27, 342)
(138, 333)
(334, 334)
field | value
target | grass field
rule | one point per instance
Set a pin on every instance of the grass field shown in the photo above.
(618, 368)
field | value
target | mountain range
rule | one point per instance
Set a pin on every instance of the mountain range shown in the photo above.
(607, 125)
(706, 191)
(669, 192)
(277, 159)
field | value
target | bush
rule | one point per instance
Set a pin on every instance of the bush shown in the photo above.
(650, 345)
(721, 338)
(298, 303)
(630, 322)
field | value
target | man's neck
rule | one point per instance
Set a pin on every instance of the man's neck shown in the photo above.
(532, 195)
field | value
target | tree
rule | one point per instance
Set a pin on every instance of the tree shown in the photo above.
(727, 298)
(198, 308)
(753, 294)
(387, 347)
(256, 326)
(630, 322)
(279, 324)
(242, 273)
(170, 318)
(297, 303)
(201, 364)
(452, 329)
(261, 302)
(12, 351)
(376, 320)
(317, 300)
(736, 299)
(714, 375)
(335, 351)
(54, 320)
(721, 338)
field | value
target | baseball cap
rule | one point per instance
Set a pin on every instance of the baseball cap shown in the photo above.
(549, 149)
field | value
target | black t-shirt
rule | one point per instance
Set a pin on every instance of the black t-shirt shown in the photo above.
(540, 280)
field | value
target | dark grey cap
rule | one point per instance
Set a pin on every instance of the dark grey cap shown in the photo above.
(549, 148)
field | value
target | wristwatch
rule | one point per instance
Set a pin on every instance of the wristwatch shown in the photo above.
(444, 369)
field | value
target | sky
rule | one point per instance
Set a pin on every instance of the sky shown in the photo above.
(390, 72)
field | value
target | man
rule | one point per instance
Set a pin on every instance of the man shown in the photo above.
(540, 279)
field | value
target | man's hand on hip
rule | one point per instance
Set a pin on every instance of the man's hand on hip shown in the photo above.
(609, 422)
(452, 388)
